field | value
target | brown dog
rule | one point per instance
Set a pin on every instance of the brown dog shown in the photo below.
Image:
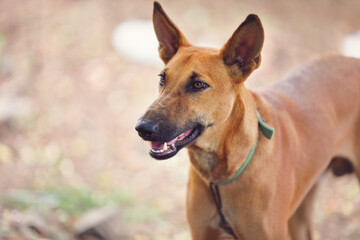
(204, 106)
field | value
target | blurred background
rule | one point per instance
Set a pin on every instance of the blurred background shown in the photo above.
(75, 75)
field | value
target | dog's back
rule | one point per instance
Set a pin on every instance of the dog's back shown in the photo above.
(335, 78)
(319, 103)
(324, 93)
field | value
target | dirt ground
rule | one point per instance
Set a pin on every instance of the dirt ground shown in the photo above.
(69, 103)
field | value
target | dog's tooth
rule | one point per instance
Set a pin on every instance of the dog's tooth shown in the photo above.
(165, 147)
(172, 146)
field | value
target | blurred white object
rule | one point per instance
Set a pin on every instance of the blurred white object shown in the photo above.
(136, 40)
(351, 45)
(12, 106)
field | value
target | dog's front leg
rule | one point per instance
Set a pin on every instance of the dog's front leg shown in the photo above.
(300, 223)
(260, 227)
(252, 224)
(204, 233)
(201, 212)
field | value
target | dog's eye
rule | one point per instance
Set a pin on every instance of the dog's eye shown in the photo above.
(162, 79)
(198, 85)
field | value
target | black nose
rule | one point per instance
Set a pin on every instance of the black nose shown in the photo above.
(146, 128)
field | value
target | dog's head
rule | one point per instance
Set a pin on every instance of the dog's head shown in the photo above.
(198, 86)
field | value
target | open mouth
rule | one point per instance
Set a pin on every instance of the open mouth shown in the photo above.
(165, 150)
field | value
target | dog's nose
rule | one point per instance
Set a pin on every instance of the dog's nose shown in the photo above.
(146, 128)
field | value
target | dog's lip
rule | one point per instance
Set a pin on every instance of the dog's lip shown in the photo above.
(165, 150)
(162, 146)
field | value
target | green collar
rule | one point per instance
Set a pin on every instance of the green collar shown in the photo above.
(268, 133)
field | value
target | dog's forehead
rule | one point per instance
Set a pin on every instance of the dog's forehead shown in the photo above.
(194, 60)
(194, 55)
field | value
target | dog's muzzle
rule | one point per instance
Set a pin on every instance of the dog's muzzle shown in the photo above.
(166, 141)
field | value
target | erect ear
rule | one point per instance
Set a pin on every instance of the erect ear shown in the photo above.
(169, 36)
(242, 51)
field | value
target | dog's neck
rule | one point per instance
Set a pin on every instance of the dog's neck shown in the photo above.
(216, 163)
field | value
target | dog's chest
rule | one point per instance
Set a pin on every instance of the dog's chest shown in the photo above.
(205, 162)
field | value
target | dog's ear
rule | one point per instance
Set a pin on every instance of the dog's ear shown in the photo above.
(242, 51)
(169, 36)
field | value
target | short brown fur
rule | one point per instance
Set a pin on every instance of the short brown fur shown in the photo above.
(315, 113)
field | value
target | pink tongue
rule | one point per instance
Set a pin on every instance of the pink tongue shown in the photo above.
(160, 145)
(157, 145)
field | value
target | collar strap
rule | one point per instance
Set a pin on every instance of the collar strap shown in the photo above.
(268, 132)
(265, 129)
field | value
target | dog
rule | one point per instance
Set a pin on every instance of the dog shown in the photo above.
(256, 156)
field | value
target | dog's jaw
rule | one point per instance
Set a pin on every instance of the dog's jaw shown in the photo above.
(167, 149)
